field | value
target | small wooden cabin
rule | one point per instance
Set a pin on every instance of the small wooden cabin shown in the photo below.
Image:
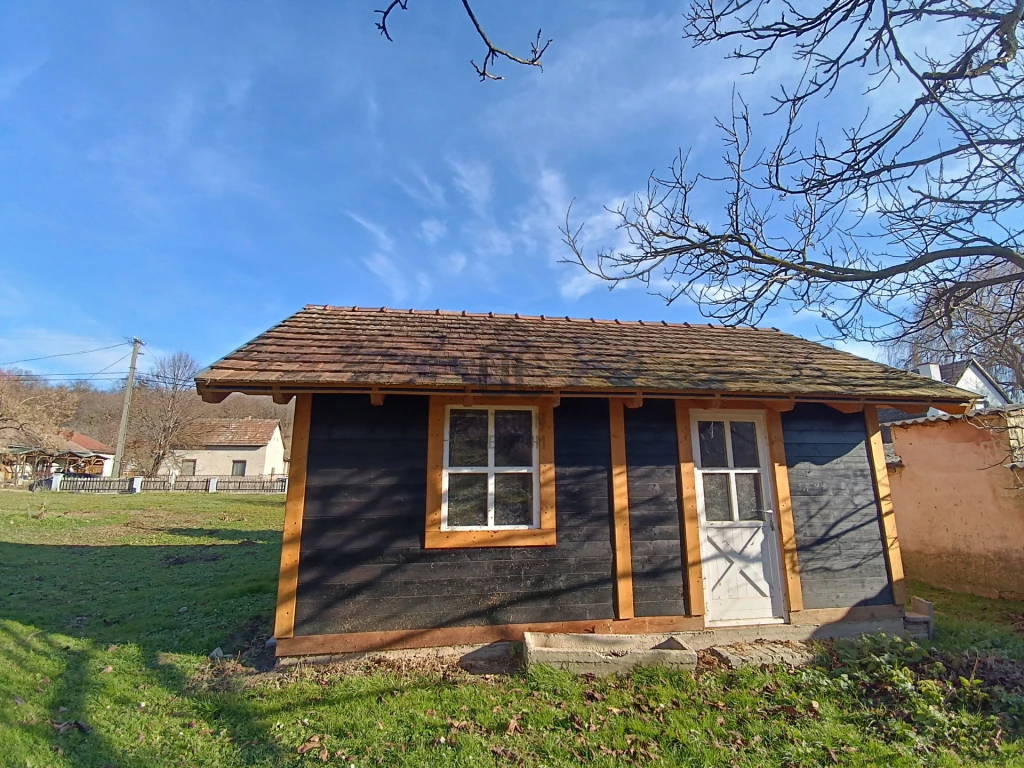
(463, 478)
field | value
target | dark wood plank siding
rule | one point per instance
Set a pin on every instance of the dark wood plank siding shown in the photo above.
(652, 471)
(363, 566)
(835, 513)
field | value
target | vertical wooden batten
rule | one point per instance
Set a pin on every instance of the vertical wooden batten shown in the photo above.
(688, 503)
(288, 581)
(784, 512)
(546, 457)
(620, 513)
(435, 462)
(876, 452)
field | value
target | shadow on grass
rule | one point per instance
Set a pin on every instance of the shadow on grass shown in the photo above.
(157, 602)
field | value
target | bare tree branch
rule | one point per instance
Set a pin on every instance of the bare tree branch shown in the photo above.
(537, 47)
(884, 229)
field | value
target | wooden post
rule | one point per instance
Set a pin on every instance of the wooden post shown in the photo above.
(688, 502)
(784, 512)
(620, 513)
(893, 558)
(295, 501)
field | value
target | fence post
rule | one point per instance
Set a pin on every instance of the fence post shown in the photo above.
(55, 481)
(173, 477)
(212, 487)
(136, 485)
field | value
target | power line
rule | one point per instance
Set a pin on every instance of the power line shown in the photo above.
(67, 354)
(101, 370)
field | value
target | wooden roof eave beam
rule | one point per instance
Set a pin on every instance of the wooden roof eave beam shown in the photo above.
(215, 393)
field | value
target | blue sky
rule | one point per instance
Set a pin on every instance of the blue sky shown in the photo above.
(192, 173)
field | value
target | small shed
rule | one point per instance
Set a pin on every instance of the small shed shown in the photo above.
(26, 457)
(464, 478)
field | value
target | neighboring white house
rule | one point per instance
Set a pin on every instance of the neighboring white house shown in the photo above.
(970, 375)
(967, 374)
(232, 447)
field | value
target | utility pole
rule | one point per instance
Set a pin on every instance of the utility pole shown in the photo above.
(122, 433)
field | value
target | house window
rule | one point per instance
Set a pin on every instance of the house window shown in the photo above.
(238, 469)
(188, 467)
(490, 474)
(490, 469)
(731, 467)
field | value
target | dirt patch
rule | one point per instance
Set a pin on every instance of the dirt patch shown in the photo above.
(201, 557)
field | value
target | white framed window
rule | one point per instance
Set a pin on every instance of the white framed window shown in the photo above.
(731, 466)
(490, 478)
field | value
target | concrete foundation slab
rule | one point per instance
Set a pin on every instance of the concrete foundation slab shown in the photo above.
(606, 654)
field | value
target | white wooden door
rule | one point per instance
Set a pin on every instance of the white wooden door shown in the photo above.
(739, 543)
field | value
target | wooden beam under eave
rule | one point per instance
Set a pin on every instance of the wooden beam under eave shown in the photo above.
(214, 397)
(376, 397)
(893, 557)
(620, 513)
(845, 407)
(282, 398)
(688, 511)
(637, 401)
(288, 581)
(784, 513)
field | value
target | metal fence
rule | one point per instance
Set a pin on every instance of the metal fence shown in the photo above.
(94, 484)
(167, 483)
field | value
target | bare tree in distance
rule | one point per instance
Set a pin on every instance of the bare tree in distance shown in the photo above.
(976, 332)
(537, 47)
(860, 226)
(165, 410)
(31, 407)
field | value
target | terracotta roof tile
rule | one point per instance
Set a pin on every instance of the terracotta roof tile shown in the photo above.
(357, 347)
(235, 431)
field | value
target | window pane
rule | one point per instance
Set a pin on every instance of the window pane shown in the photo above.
(744, 444)
(748, 496)
(238, 468)
(513, 439)
(513, 499)
(467, 500)
(711, 436)
(467, 438)
(717, 504)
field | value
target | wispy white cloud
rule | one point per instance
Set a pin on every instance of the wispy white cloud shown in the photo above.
(473, 179)
(422, 189)
(384, 240)
(14, 77)
(432, 230)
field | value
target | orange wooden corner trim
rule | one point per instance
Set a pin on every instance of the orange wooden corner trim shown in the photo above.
(623, 555)
(893, 558)
(784, 512)
(688, 510)
(354, 642)
(545, 536)
(288, 581)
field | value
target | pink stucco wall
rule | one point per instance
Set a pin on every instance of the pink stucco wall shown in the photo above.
(959, 517)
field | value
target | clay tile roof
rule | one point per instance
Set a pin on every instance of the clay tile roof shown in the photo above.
(235, 431)
(78, 441)
(348, 347)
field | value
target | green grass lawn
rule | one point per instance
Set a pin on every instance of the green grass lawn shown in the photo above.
(109, 606)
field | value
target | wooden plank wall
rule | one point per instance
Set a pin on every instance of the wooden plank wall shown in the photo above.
(363, 567)
(652, 459)
(838, 534)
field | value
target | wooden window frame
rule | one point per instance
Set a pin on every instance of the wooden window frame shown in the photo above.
(185, 462)
(763, 469)
(491, 470)
(436, 536)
